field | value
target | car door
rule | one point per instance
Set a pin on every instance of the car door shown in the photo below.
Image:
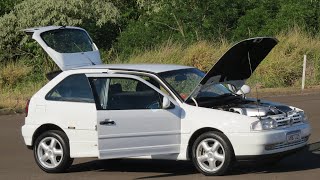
(130, 118)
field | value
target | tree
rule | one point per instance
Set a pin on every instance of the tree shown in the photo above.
(295, 13)
(180, 20)
(256, 18)
(7, 5)
(269, 17)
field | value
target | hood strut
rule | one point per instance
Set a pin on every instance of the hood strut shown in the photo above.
(250, 63)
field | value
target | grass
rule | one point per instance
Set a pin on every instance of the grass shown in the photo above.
(16, 99)
(283, 66)
(16, 86)
(12, 74)
(201, 54)
(281, 70)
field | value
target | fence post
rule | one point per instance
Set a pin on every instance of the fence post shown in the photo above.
(304, 71)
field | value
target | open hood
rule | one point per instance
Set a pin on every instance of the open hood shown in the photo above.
(238, 63)
(69, 47)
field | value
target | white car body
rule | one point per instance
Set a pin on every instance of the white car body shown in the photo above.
(80, 126)
(147, 133)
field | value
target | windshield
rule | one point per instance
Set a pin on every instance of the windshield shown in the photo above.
(183, 81)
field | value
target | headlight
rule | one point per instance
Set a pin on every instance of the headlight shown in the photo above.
(304, 116)
(264, 124)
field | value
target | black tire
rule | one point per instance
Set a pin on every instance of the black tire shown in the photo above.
(65, 161)
(225, 148)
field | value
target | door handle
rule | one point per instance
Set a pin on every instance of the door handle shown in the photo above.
(108, 122)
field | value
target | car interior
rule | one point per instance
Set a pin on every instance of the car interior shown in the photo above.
(143, 97)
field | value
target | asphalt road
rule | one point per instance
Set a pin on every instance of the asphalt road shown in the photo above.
(17, 161)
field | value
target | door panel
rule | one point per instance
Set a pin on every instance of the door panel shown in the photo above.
(127, 124)
(138, 132)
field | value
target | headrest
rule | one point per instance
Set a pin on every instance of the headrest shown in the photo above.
(142, 87)
(154, 82)
(115, 88)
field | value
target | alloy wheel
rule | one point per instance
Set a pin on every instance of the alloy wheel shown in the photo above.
(50, 152)
(210, 155)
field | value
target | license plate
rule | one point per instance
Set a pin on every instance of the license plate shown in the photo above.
(293, 136)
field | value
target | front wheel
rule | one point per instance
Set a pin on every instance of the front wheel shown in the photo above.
(51, 152)
(212, 154)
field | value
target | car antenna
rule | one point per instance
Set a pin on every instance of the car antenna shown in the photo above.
(92, 63)
(251, 72)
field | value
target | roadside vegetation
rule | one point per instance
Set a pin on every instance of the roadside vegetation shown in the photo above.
(188, 32)
(281, 68)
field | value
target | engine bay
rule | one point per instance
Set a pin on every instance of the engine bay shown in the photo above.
(255, 108)
(244, 106)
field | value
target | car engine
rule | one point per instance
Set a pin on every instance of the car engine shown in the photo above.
(284, 115)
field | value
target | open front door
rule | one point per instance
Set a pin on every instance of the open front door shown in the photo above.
(130, 118)
(69, 47)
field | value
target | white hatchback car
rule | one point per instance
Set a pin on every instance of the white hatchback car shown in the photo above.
(155, 111)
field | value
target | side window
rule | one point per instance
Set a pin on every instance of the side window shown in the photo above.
(155, 83)
(74, 88)
(125, 94)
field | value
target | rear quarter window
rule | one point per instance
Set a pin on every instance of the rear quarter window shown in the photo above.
(74, 88)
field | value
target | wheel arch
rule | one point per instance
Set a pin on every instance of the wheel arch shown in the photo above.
(197, 133)
(43, 128)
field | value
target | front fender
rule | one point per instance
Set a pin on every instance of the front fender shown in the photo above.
(194, 118)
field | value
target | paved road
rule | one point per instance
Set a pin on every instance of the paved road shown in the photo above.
(17, 161)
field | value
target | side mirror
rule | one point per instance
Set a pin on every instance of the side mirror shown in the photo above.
(245, 89)
(166, 103)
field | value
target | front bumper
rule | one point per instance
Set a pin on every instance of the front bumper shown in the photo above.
(259, 142)
(268, 157)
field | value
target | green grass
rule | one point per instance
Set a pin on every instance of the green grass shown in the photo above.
(282, 68)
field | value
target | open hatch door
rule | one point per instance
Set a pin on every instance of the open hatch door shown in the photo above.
(69, 47)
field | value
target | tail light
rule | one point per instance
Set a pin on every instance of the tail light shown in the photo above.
(27, 107)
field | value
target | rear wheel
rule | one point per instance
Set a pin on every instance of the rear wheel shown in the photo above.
(212, 154)
(51, 152)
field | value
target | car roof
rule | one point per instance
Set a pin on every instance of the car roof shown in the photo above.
(154, 68)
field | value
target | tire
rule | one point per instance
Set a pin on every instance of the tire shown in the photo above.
(212, 154)
(51, 152)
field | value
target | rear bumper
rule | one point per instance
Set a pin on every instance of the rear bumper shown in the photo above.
(27, 133)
